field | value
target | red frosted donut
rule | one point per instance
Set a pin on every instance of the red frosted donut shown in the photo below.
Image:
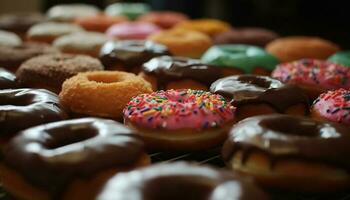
(332, 106)
(164, 19)
(314, 76)
(180, 119)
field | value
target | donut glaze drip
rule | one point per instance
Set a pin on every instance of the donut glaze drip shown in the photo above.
(179, 109)
(283, 137)
(179, 181)
(7, 79)
(50, 156)
(167, 69)
(314, 73)
(23, 108)
(251, 89)
(334, 105)
(130, 53)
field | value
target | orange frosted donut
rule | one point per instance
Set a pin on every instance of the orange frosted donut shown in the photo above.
(210, 27)
(99, 23)
(185, 43)
(102, 93)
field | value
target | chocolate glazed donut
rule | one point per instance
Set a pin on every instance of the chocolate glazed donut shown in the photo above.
(7, 79)
(24, 108)
(180, 181)
(254, 95)
(167, 72)
(59, 159)
(129, 55)
(293, 153)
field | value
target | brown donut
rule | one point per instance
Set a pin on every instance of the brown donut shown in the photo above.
(293, 153)
(180, 181)
(50, 71)
(166, 72)
(129, 55)
(256, 95)
(69, 159)
(24, 108)
(7, 79)
(12, 57)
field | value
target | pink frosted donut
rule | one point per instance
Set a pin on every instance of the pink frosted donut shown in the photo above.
(180, 116)
(315, 76)
(132, 30)
(332, 106)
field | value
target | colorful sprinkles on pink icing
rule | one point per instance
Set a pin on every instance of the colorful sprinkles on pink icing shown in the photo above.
(334, 105)
(314, 72)
(179, 109)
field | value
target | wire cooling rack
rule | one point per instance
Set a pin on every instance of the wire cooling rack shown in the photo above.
(212, 157)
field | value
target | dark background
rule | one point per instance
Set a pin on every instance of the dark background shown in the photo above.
(329, 19)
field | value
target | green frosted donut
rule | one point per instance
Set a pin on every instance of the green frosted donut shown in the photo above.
(243, 57)
(131, 10)
(342, 58)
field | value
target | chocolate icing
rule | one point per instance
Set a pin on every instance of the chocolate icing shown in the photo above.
(24, 108)
(130, 53)
(177, 181)
(7, 79)
(52, 155)
(286, 137)
(167, 69)
(251, 89)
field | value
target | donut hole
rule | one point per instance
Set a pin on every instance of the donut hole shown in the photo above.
(103, 78)
(179, 188)
(63, 136)
(292, 126)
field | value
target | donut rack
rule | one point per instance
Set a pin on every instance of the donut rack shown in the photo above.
(212, 157)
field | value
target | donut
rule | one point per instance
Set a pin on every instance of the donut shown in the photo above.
(132, 30)
(183, 42)
(68, 159)
(88, 43)
(293, 48)
(163, 19)
(210, 27)
(99, 23)
(11, 57)
(292, 153)
(103, 93)
(50, 71)
(342, 58)
(24, 108)
(129, 55)
(164, 181)
(180, 120)
(333, 106)
(47, 32)
(69, 12)
(166, 72)
(130, 10)
(7, 79)
(314, 76)
(241, 58)
(20, 23)
(249, 35)
(257, 95)
(9, 39)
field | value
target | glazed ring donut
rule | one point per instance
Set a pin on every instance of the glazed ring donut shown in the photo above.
(293, 153)
(258, 95)
(314, 76)
(332, 106)
(103, 93)
(68, 159)
(184, 43)
(180, 119)
(7, 79)
(24, 108)
(164, 181)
